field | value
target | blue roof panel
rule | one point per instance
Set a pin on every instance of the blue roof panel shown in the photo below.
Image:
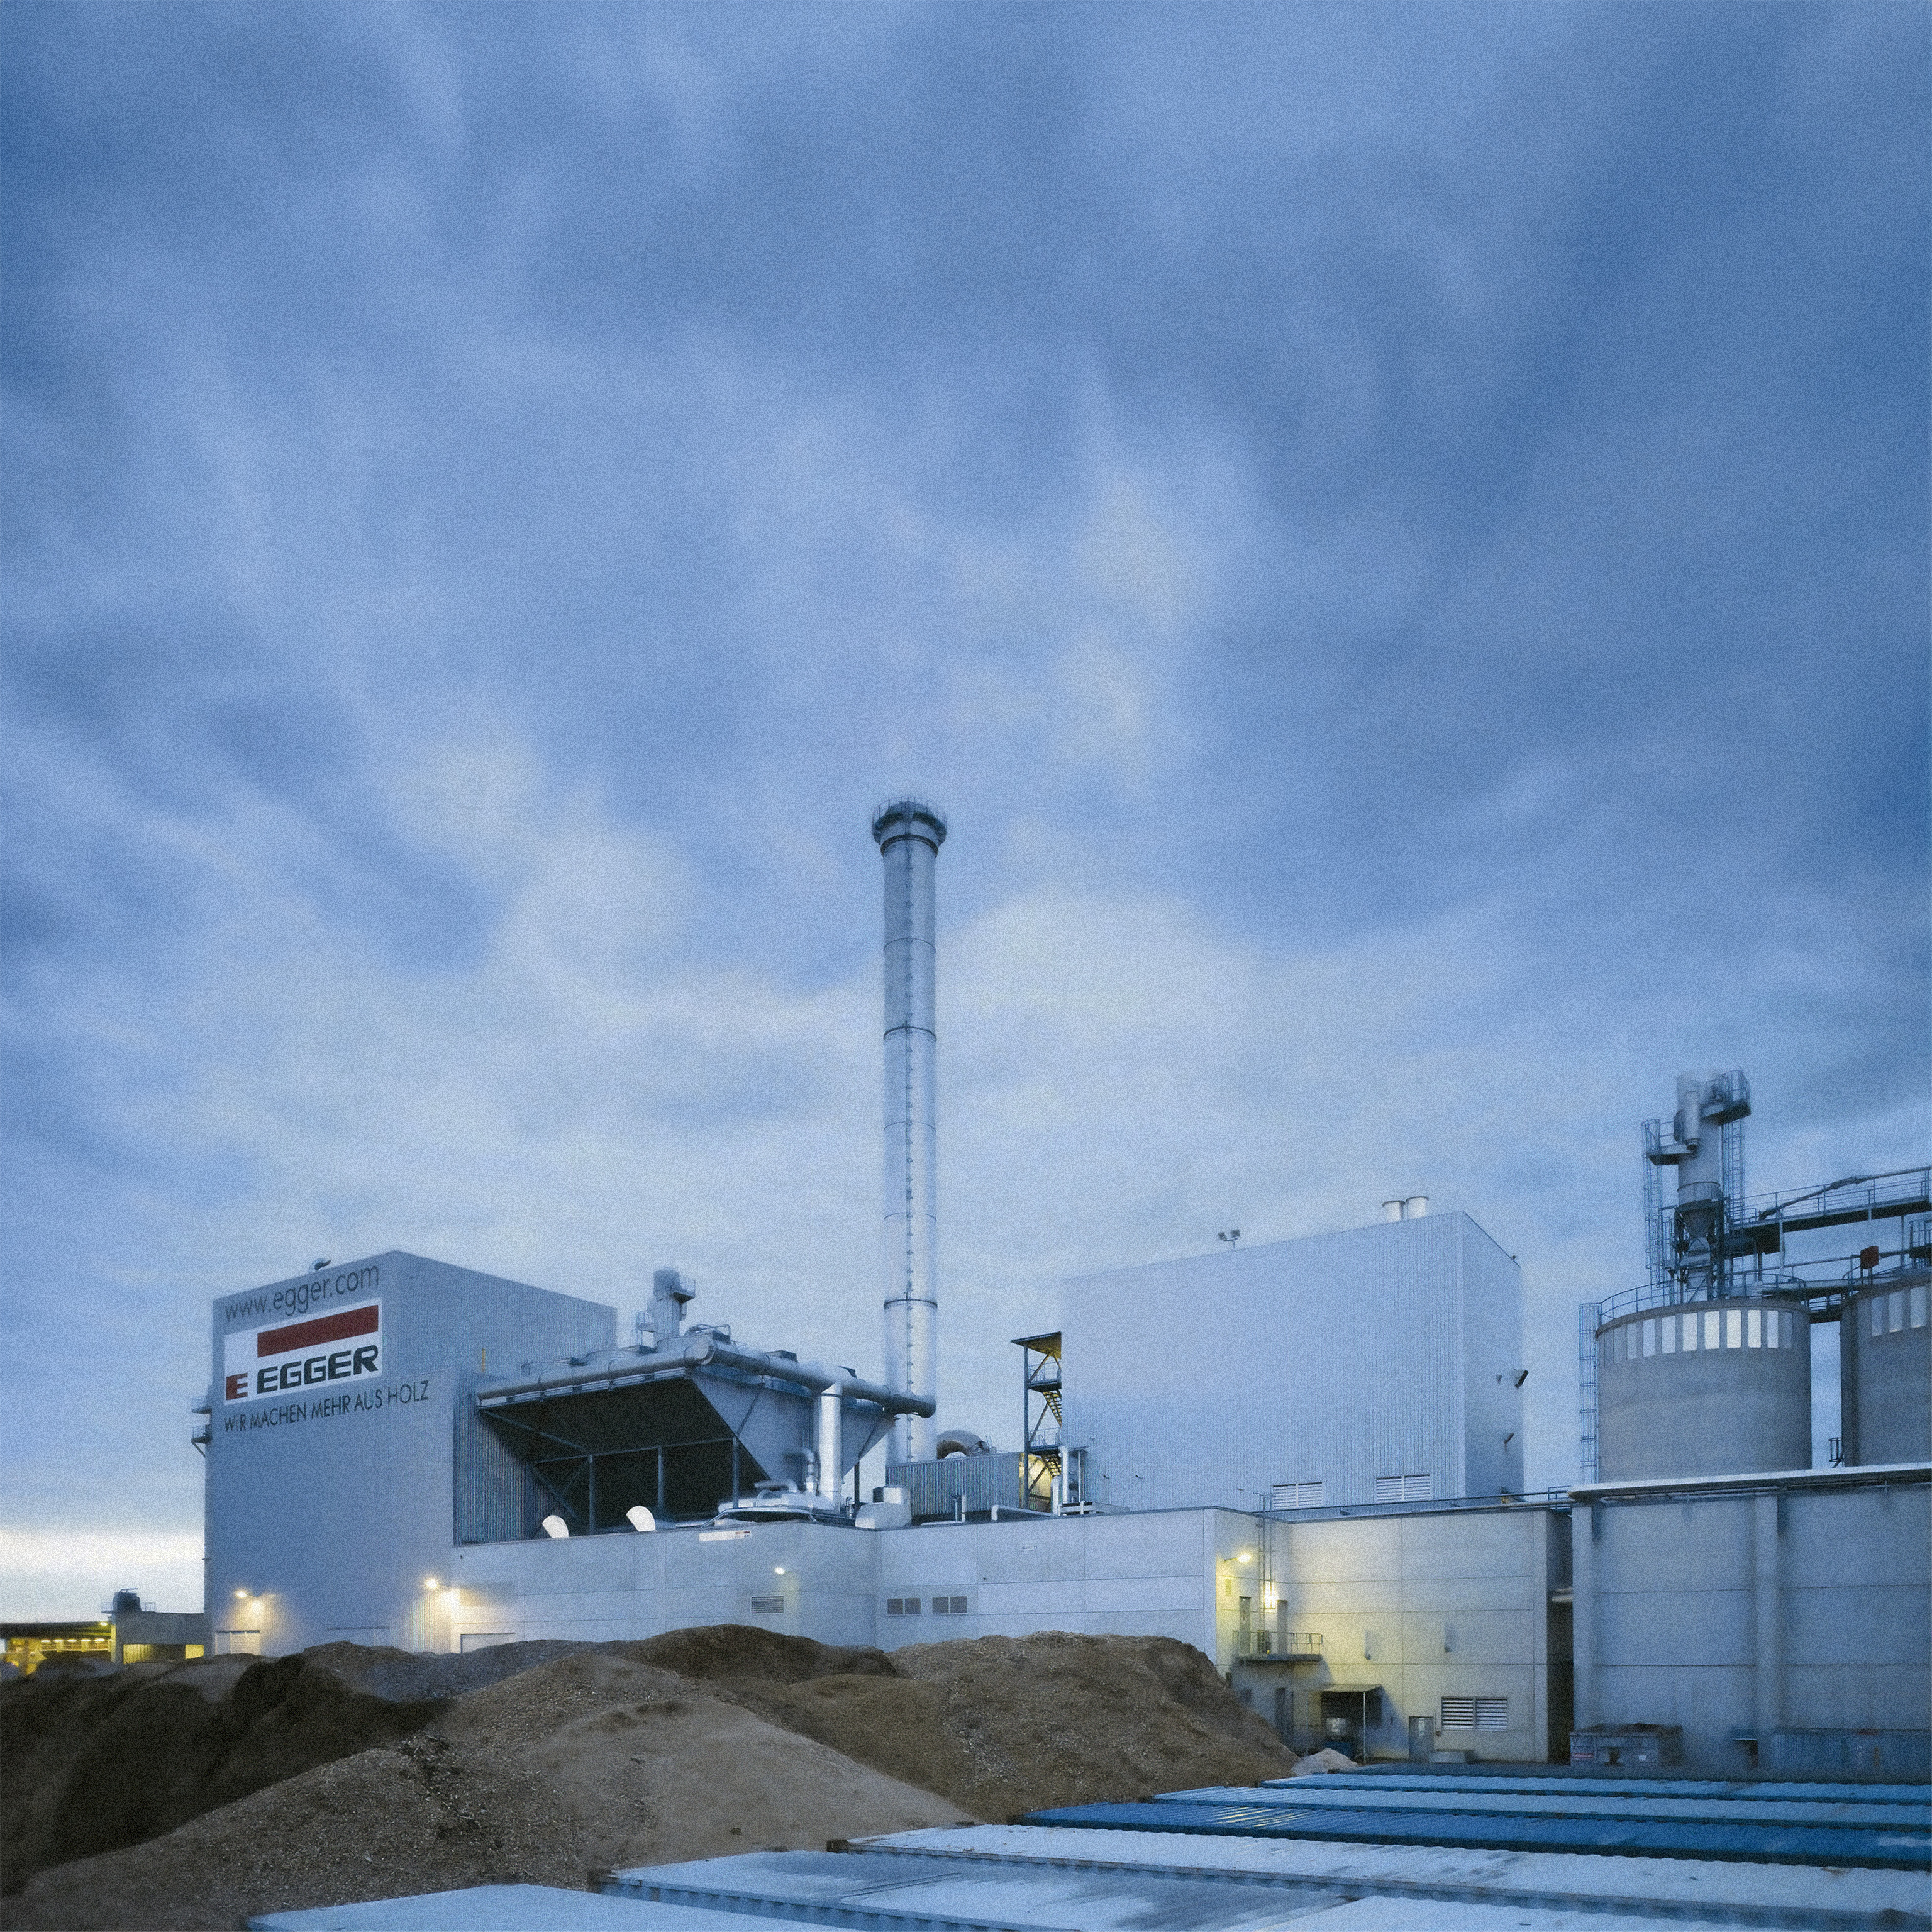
(1878, 1848)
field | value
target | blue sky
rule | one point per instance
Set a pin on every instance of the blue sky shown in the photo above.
(1396, 533)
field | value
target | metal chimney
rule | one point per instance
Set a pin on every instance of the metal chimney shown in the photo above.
(909, 834)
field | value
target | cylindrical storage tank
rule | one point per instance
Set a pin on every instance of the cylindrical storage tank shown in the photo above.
(1885, 1370)
(1711, 1388)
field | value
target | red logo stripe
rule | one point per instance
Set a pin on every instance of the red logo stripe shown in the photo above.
(324, 1328)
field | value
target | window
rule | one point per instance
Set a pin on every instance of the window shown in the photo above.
(1734, 1328)
(1877, 1305)
(1771, 1327)
(1754, 1327)
(1711, 1321)
(901, 1607)
(1919, 1306)
(1650, 1337)
(766, 1606)
(1475, 1714)
(1305, 1496)
(1667, 1336)
(1690, 1334)
(1413, 1489)
(1897, 1300)
(947, 1606)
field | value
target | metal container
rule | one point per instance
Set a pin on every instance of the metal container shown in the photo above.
(1628, 1747)
(1884, 1369)
(1708, 1388)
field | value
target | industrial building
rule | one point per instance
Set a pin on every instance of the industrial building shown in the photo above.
(1326, 1499)
(1383, 1364)
(131, 1633)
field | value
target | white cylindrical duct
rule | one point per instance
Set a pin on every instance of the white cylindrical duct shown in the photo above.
(830, 1459)
(1392, 1210)
(1415, 1207)
(909, 835)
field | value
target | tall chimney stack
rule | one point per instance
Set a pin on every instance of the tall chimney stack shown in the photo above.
(909, 834)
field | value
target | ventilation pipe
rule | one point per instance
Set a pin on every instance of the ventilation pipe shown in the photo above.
(668, 1296)
(829, 1460)
(1415, 1207)
(1392, 1210)
(909, 835)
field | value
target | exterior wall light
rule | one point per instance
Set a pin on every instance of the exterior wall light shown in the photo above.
(430, 1583)
(1244, 1556)
(243, 1594)
(777, 1569)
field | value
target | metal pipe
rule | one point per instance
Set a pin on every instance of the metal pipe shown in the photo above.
(704, 1351)
(909, 835)
(830, 1419)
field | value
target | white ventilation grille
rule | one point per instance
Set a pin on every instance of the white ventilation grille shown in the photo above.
(1475, 1714)
(766, 1607)
(1302, 1495)
(1411, 1488)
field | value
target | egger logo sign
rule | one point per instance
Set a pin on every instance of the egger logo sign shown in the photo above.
(292, 1354)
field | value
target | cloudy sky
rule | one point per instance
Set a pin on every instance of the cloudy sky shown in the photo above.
(1395, 533)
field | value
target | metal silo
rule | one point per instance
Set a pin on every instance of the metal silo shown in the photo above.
(1708, 1388)
(909, 834)
(1884, 1369)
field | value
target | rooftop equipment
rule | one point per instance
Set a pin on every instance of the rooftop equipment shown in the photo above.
(1705, 1144)
(909, 834)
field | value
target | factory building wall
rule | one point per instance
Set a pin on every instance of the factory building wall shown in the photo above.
(801, 1579)
(1381, 1356)
(328, 1502)
(1174, 1573)
(1445, 1613)
(1739, 1608)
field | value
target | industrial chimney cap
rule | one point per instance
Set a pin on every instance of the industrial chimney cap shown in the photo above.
(909, 818)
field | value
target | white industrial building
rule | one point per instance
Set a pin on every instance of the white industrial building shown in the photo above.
(1304, 1458)
(1380, 1364)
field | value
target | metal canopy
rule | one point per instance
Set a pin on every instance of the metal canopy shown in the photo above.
(681, 1441)
(598, 1453)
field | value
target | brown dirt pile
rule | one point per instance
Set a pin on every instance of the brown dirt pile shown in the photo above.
(540, 1763)
(88, 1764)
(1006, 1724)
(591, 1761)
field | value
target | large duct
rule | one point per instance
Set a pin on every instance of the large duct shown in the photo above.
(909, 835)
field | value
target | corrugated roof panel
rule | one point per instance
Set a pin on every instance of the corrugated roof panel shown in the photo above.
(1810, 1897)
(1585, 1803)
(1878, 1848)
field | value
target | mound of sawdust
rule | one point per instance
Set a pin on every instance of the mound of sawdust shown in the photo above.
(1326, 1759)
(91, 1761)
(1009, 1724)
(554, 1760)
(734, 1651)
(591, 1761)
(91, 1765)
